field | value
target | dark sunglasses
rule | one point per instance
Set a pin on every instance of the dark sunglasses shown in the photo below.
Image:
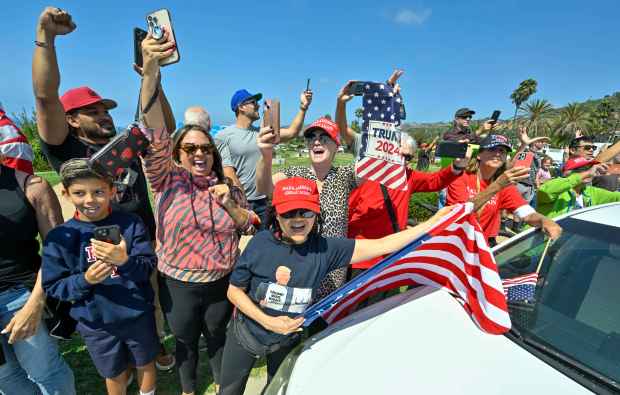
(588, 147)
(191, 149)
(298, 213)
(322, 137)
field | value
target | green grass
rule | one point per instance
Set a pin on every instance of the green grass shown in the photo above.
(88, 381)
(50, 176)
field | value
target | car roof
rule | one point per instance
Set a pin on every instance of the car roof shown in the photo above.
(608, 214)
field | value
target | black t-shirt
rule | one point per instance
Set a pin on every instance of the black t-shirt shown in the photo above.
(281, 278)
(19, 248)
(131, 190)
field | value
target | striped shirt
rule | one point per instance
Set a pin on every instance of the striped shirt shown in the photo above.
(197, 240)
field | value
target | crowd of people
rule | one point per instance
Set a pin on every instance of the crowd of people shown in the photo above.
(178, 262)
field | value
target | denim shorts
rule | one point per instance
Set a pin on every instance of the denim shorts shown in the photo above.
(114, 348)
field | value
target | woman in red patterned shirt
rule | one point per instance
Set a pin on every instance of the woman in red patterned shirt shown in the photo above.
(199, 216)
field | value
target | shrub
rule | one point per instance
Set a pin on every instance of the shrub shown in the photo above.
(28, 125)
(418, 212)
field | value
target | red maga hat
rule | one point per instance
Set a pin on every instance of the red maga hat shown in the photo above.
(328, 126)
(295, 193)
(576, 163)
(82, 97)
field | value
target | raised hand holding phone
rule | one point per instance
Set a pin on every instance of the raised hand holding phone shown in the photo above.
(160, 22)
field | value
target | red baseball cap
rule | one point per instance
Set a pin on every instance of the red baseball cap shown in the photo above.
(295, 193)
(576, 163)
(82, 97)
(326, 125)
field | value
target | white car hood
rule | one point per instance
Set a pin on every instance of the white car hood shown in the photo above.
(426, 345)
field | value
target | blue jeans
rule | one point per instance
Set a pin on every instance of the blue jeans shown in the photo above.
(33, 365)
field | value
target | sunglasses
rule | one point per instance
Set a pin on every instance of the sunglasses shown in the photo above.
(191, 149)
(298, 213)
(252, 102)
(322, 137)
(588, 147)
(467, 117)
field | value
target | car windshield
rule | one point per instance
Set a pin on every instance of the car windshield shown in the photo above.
(571, 308)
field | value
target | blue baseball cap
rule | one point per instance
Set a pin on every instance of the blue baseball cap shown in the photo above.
(243, 95)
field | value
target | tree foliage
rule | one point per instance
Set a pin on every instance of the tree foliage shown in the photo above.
(27, 123)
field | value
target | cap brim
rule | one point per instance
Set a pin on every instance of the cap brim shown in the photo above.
(297, 204)
(108, 103)
(257, 96)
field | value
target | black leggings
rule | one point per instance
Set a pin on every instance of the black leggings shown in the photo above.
(192, 309)
(237, 364)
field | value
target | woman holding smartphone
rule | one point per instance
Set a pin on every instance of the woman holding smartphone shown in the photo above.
(279, 273)
(199, 218)
(488, 171)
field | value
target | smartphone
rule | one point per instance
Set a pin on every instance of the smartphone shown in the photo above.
(356, 88)
(138, 36)
(109, 234)
(155, 21)
(271, 116)
(308, 85)
(124, 148)
(451, 149)
(524, 159)
(495, 116)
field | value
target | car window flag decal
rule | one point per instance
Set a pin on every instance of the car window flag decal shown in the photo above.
(14, 146)
(453, 256)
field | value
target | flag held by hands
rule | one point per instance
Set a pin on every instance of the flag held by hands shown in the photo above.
(453, 256)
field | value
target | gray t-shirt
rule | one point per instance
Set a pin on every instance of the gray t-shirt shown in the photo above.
(239, 150)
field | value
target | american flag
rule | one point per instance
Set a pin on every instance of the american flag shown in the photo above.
(14, 146)
(384, 108)
(521, 288)
(452, 256)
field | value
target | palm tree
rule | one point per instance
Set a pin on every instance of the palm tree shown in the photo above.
(574, 117)
(537, 116)
(520, 95)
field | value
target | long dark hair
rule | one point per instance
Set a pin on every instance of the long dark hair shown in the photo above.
(217, 166)
(272, 224)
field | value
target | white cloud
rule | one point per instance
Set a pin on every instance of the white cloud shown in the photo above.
(411, 17)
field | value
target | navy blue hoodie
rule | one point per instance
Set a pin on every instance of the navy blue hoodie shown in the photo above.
(126, 294)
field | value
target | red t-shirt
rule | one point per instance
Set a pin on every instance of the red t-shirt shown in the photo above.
(368, 216)
(466, 187)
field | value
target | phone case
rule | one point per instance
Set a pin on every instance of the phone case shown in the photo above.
(449, 149)
(109, 234)
(271, 114)
(357, 88)
(138, 36)
(162, 18)
(495, 115)
(524, 159)
(121, 150)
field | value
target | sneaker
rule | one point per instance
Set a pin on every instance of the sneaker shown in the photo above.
(164, 360)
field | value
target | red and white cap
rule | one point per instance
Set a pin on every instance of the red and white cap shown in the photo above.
(295, 193)
(328, 126)
(576, 163)
(82, 97)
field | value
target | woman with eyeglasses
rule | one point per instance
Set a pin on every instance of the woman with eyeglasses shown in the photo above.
(486, 173)
(334, 183)
(278, 275)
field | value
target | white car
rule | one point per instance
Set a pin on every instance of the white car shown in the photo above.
(423, 342)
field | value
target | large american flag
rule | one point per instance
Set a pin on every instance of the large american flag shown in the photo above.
(453, 256)
(381, 107)
(14, 146)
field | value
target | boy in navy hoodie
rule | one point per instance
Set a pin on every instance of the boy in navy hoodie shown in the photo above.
(108, 284)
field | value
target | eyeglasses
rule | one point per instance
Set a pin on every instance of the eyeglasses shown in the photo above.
(191, 149)
(298, 213)
(587, 147)
(322, 137)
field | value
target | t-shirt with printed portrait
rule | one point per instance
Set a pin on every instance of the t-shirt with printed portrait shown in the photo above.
(282, 279)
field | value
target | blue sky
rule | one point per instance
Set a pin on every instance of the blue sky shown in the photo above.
(455, 54)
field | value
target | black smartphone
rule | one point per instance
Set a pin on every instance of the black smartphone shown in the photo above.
(450, 149)
(109, 234)
(138, 36)
(356, 88)
(495, 116)
(308, 85)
